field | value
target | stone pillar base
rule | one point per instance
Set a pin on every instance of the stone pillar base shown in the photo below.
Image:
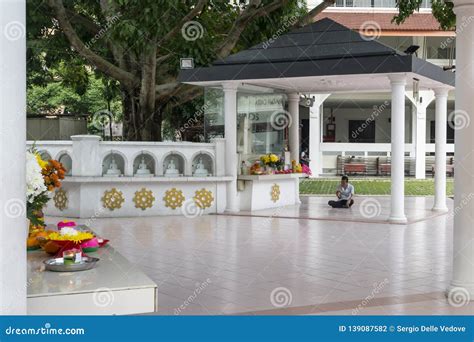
(398, 219)
(440, 209)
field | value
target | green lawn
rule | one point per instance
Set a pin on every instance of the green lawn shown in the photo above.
(381, 186)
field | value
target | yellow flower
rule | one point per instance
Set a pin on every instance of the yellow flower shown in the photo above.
(41, 162)
(79, 237)
(273, 158)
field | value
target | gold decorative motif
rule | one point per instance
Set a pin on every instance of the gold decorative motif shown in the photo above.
(143, 199)
(113, 199)
(275, 193)
(174, 198)
(203, 198)
(60, 199)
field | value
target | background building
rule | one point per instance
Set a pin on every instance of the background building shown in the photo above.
(344, 113)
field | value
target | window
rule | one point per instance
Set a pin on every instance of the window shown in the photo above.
(361, 131)
(258, 130)
(375, 3)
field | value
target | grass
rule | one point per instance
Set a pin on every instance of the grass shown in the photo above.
(371, 186)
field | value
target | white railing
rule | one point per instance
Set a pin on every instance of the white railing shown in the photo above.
(344, 148)
(86, 155)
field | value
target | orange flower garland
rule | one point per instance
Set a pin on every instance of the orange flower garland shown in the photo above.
(52, 174)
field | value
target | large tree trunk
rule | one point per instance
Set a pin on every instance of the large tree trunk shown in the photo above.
(129, 118)
(142, 118)
(140, 125)
(147, 95)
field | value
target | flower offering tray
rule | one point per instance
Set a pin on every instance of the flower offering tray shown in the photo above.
(58, 265)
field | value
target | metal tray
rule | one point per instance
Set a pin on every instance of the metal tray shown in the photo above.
(57, 265)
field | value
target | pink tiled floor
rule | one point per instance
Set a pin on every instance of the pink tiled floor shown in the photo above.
(263, 265)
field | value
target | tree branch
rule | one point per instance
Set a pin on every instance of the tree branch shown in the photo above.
(79, 19)
(252, 11)
(193, 13)
(311, 16)
(102, 64)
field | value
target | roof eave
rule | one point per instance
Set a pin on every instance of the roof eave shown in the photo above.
(323, 67)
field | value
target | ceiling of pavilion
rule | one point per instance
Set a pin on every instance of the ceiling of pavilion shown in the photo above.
(322, 49)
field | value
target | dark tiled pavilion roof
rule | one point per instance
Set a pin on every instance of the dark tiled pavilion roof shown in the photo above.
(323, 48)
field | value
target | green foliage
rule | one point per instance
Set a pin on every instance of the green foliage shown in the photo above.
(442, 11)
(59, 76)
(55, 96)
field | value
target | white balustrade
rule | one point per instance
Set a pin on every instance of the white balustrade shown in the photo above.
(100, 166)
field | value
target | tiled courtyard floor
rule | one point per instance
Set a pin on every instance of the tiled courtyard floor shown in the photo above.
(220, 264)
(368, 209)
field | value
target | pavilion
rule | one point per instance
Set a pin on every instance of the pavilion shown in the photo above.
(326, 58)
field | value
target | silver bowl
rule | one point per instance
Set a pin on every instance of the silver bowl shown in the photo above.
(57, 265)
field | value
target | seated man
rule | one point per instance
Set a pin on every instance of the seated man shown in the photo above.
(344, 193)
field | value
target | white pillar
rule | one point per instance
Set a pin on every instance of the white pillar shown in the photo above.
(315, 119)
(294, 129)
(230, 132)
(419, 130)
(440, 148)
(463, 233)
(413, 131)
(420, 146)
(13, 226)
(219, 166)
(397, 213)
(86, 157)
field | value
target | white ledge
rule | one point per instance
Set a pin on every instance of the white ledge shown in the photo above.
(157, 179)
(271, 177)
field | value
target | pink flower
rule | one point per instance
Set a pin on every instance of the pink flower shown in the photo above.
(305, 168)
